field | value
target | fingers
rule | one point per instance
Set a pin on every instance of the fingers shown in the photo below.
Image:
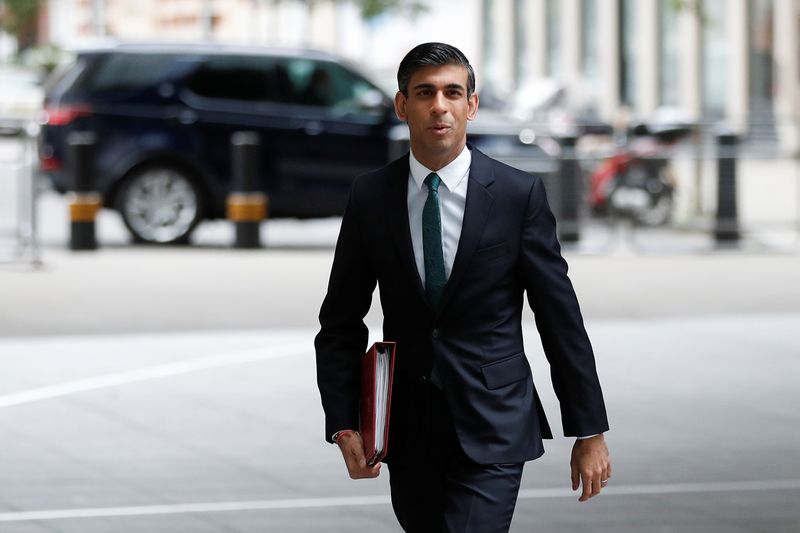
(589, 479)
(591, 485)
(357, 463)
(588, 490)
(353, 453)
(374, 470)
(576, 476)
(364, 472)
(356, 453)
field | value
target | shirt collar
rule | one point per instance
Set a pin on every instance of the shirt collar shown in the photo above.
(451, 174)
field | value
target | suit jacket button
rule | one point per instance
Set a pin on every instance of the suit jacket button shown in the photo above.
(435, 334)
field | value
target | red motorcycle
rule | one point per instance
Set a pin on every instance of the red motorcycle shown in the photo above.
(637, 180)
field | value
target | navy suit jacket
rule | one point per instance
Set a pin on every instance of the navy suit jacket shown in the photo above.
(508, 248)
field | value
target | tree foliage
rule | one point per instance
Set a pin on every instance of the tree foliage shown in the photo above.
(693, 7)
(374, 8)
(18, 18)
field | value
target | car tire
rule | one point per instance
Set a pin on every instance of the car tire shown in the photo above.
(160, 204)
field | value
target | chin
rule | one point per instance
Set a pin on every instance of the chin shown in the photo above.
(443, 143)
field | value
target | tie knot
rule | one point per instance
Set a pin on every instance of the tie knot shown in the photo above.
(432, 181)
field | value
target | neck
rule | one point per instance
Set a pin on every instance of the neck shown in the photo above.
(437, 161)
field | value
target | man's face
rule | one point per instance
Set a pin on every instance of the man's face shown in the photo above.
(437, 110)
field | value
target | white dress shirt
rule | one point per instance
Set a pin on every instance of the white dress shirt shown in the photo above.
(452, 200)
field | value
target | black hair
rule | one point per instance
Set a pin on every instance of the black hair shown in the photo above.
(432, 54)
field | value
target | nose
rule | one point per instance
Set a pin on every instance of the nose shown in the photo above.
(439, 106)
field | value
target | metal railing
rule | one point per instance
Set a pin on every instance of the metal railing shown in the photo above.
(19, 235)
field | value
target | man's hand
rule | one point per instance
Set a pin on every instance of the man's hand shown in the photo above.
(353, 452)
(590, 465)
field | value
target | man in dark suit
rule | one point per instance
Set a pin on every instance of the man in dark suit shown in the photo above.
(454, 240)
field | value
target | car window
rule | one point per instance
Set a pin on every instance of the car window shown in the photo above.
(120, 73)
(252, 79)
(328, 85)
(61, 71)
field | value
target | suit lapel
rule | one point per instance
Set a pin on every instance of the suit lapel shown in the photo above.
(476, 211)
(397, 210)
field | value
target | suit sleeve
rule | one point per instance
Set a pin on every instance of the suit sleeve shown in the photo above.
(343, 336)
(559, 321)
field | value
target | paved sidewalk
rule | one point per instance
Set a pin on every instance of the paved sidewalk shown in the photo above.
(221, 431)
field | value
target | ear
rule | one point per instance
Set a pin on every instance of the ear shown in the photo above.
(472, 106)
(400, 106)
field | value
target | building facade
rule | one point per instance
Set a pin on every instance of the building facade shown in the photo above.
(731, 61)
(736, 61)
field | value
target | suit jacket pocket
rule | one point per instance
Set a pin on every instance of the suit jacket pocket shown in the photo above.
(491, 252)
(505, 371)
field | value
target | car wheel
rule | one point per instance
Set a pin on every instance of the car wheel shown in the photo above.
(160, 205)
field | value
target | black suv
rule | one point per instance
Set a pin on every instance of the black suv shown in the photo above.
(164, 116)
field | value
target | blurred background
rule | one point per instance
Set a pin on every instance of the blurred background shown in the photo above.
(172, 177)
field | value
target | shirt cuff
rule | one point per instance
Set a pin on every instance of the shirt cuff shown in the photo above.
(336, 435)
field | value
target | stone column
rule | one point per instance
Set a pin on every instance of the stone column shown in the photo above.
(738, 105)
(498, 64)
(571, 49)
(691, 89)
(647, 86)
(536, 40)
(609, 58)
(787, 57)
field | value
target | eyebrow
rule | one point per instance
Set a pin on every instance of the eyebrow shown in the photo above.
(432, 86)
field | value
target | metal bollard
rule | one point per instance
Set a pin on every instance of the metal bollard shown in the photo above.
(84, 200)
(569, 191)
(246, 205)
(726, 227)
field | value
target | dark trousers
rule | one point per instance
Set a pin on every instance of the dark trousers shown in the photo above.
(441, 489)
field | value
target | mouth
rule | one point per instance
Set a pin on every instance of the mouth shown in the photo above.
(440, 128)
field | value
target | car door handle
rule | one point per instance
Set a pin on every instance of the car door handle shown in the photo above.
(183, 116)
(187, 116)
(313, 128)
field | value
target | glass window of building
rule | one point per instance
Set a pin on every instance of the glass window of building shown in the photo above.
(715, 58)
(668, 53)
(627, 52)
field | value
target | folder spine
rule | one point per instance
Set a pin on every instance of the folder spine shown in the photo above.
(369, 410)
